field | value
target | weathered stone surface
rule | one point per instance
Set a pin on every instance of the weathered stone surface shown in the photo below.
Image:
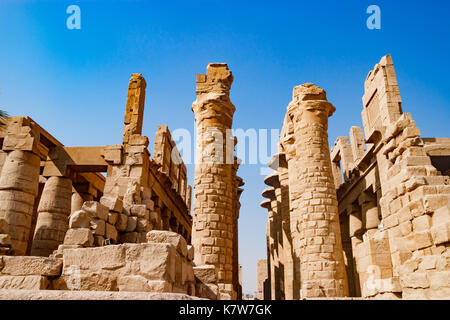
(5, 240)
(131, 224)
(215, 192)
(81, 236)
(143, 225)
(24, 282)
(122, 222)
(113, 217)
(190, 253)
(96, 210)
(114, 204)
(98, 227)
(79, 219)
(111, 233)
(391, 201)
(27, 266)
(110, 267)
(90, 295)
(206, 274)
(3, 226)
(173, 238)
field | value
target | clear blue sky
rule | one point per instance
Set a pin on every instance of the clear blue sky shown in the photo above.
(74, 82)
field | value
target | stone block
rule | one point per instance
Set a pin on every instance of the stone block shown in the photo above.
(190, 253)
(160, 286)
(81, 236)
(415, 280)
(206, 274)
(111, 233)
(441, 216)
(207, 291)
(96, 210)
(133, 283)
(122, 222)
(113, 217)
(434, 202)
(99, 241)
(79, 219)
(169, 237)
(422, 239)
(131, 224)
(139, 210)
(28, 266)
(440, 233)
(422, 223)
(98, 227)
(143, 225)
(114, 204)
(3, 226)
(5, 240)
(24, 282)
(128, 237)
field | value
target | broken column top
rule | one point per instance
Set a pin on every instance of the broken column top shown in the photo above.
(137, 80)
(218, 78)
(213, 96)
(311, 98)
(134, 112)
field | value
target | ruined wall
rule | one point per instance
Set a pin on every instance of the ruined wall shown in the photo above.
(393, 198)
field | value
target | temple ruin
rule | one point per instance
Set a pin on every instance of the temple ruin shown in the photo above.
(371, 219)
(65, 225)
(368, 219)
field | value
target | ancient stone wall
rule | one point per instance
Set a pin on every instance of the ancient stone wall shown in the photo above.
(393, 198)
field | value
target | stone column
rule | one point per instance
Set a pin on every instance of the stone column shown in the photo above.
(53, 213)
(267, 288)
(369, 207)
(19, 183)
(314, 211)
(78, 198)
(356, 231)
(212, 229)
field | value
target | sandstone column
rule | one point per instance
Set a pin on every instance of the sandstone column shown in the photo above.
(53, 213)
(19, 182)
(212, 229)
(314, 211)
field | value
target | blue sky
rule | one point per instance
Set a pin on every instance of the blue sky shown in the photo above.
(74, 82)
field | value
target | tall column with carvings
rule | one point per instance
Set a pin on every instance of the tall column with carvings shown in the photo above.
(19, 179)
(212, 230)
(314, 212)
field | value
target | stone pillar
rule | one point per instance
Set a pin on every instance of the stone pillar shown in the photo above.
(267, 283)
(134, 114)
(357, 142)
(314, 211)
(78, 198)
(19, 183)
(53, 212)
(369, 208)
(291, 287)
(356, 231)
(212, 229)
(274, 244)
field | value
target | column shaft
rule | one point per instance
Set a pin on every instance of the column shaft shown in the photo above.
(53, 212)
(19, 183)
